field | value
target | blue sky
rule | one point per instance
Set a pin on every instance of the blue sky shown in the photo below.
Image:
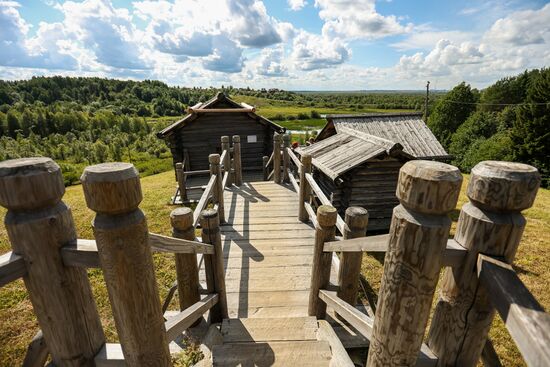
(290, 44)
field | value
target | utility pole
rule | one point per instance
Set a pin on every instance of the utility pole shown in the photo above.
(427, 101)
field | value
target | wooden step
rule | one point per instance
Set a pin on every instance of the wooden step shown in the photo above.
(294, 353)
(269, 329)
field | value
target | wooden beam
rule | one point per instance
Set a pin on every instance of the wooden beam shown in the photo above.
(311, 212)
(178, 324)
(12, 267)
(220, 110)
(201, 172)
(160, 243)
(339, 355)
(294, 158)
(293, 181)
(363, 324)
(453, 255)
(37, 352)
(245, 105)
(340, 224)
(525, 319)
(204, 200)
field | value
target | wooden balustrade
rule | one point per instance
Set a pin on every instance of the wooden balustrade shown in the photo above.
(225, 158)
(217, 190)
(492, 224)
(113, 191)
(286, 158)
(238, 169)
(277, 141)
(303, 195)
(181, 177)
(38, 225)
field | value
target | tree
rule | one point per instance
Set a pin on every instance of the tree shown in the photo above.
(530, 133)
(13, 124)
(451, 111)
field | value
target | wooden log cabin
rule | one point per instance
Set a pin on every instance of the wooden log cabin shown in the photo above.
(198, 134)
(356, 160)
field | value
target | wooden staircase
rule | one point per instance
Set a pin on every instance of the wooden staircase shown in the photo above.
(292, 341)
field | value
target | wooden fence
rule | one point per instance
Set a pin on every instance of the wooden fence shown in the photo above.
(53, 261)
(230, 162)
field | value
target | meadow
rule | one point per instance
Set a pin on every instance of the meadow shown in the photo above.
(18, 324)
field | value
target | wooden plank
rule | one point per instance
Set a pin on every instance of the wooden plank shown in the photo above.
(269, 262)
(525, 319)
(178, 324)
(160, 243)
(339, 355)
(311, 213)
(294, 158)
(220, 110)
(259, 227)
(37, 352)
(275, 354)
(269, 329)
(298, 234)
(83, 253)
(263, 220)
(204, 200)
(12, 267)
(261, 244)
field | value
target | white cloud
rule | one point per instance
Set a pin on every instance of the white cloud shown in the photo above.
(227, 56)
(357, 19)
(296, 4)
(251, 24)
(425, 37)
(271, 62)
(311, 51)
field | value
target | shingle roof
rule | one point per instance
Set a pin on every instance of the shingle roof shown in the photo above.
(346, 150)
(406, 129)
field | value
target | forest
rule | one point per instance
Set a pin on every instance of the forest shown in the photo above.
(82, 121)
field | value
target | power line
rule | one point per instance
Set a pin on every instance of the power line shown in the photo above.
(499, 104)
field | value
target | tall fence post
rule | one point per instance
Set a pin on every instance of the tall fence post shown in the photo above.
(277, 138)
(215, 274)
(420, 226)
(237, 160)
(38, 225)
(492, 224)
(320, 274)
(182, 185)
(265, 169)
(356, 219)
(286, 158)
(227, 159)
(187, 271)
(113, 191)
(304, 187)
(217, 192)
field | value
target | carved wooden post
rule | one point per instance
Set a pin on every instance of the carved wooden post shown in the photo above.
(320, 274)
(38, 225)
(227, 160)
(217, 191)
(113, 191)
(277, 158)
(214, 263)
(265, 159)
(356, 219)
(491, 223)
(237, 160)
(286, 158)
(304, 187)
(427, 191)
(186, 264)
(180, 175)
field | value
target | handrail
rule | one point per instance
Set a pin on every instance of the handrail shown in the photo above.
(196, 173)
(269, 161)
(522, 314)
(203, 200)
(177, 324)
(311, 213)
(160, 243)
(12, 267)
(293, 180)
(340, 224)
(364, 324)
(225, 178)
(294, 158)
(453, 255)
(222, 159)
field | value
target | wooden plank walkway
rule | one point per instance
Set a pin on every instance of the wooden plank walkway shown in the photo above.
(267, 251)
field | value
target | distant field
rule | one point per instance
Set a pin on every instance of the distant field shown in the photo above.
(18, 324)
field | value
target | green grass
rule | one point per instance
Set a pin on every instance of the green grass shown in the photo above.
(18, 323)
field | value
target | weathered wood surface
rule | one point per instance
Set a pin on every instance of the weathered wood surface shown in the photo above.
(491, 223)
(217, 190)
(160, 243)
(340, 357)
(277, 141)
(187, 271)
(177, 324)
(286, 158)
(525, 319)
(38, 224)
(237, 162)
(428, 191)
(350, 262)
(305, 190)
(12, 267)
(37, 352)
(264, 329)
(113, 191)
(267, 253)
(204, 199)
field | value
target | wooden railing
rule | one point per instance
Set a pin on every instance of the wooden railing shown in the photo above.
(230, 161)
(488, 233)
(53, 262)
(279, 160)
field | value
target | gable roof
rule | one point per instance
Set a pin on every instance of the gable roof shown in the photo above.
(346, 150)
(220, 103)
(407, 129)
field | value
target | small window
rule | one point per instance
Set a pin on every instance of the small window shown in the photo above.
(251, 139)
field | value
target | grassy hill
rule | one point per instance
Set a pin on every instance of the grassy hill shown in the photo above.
(19, 324)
